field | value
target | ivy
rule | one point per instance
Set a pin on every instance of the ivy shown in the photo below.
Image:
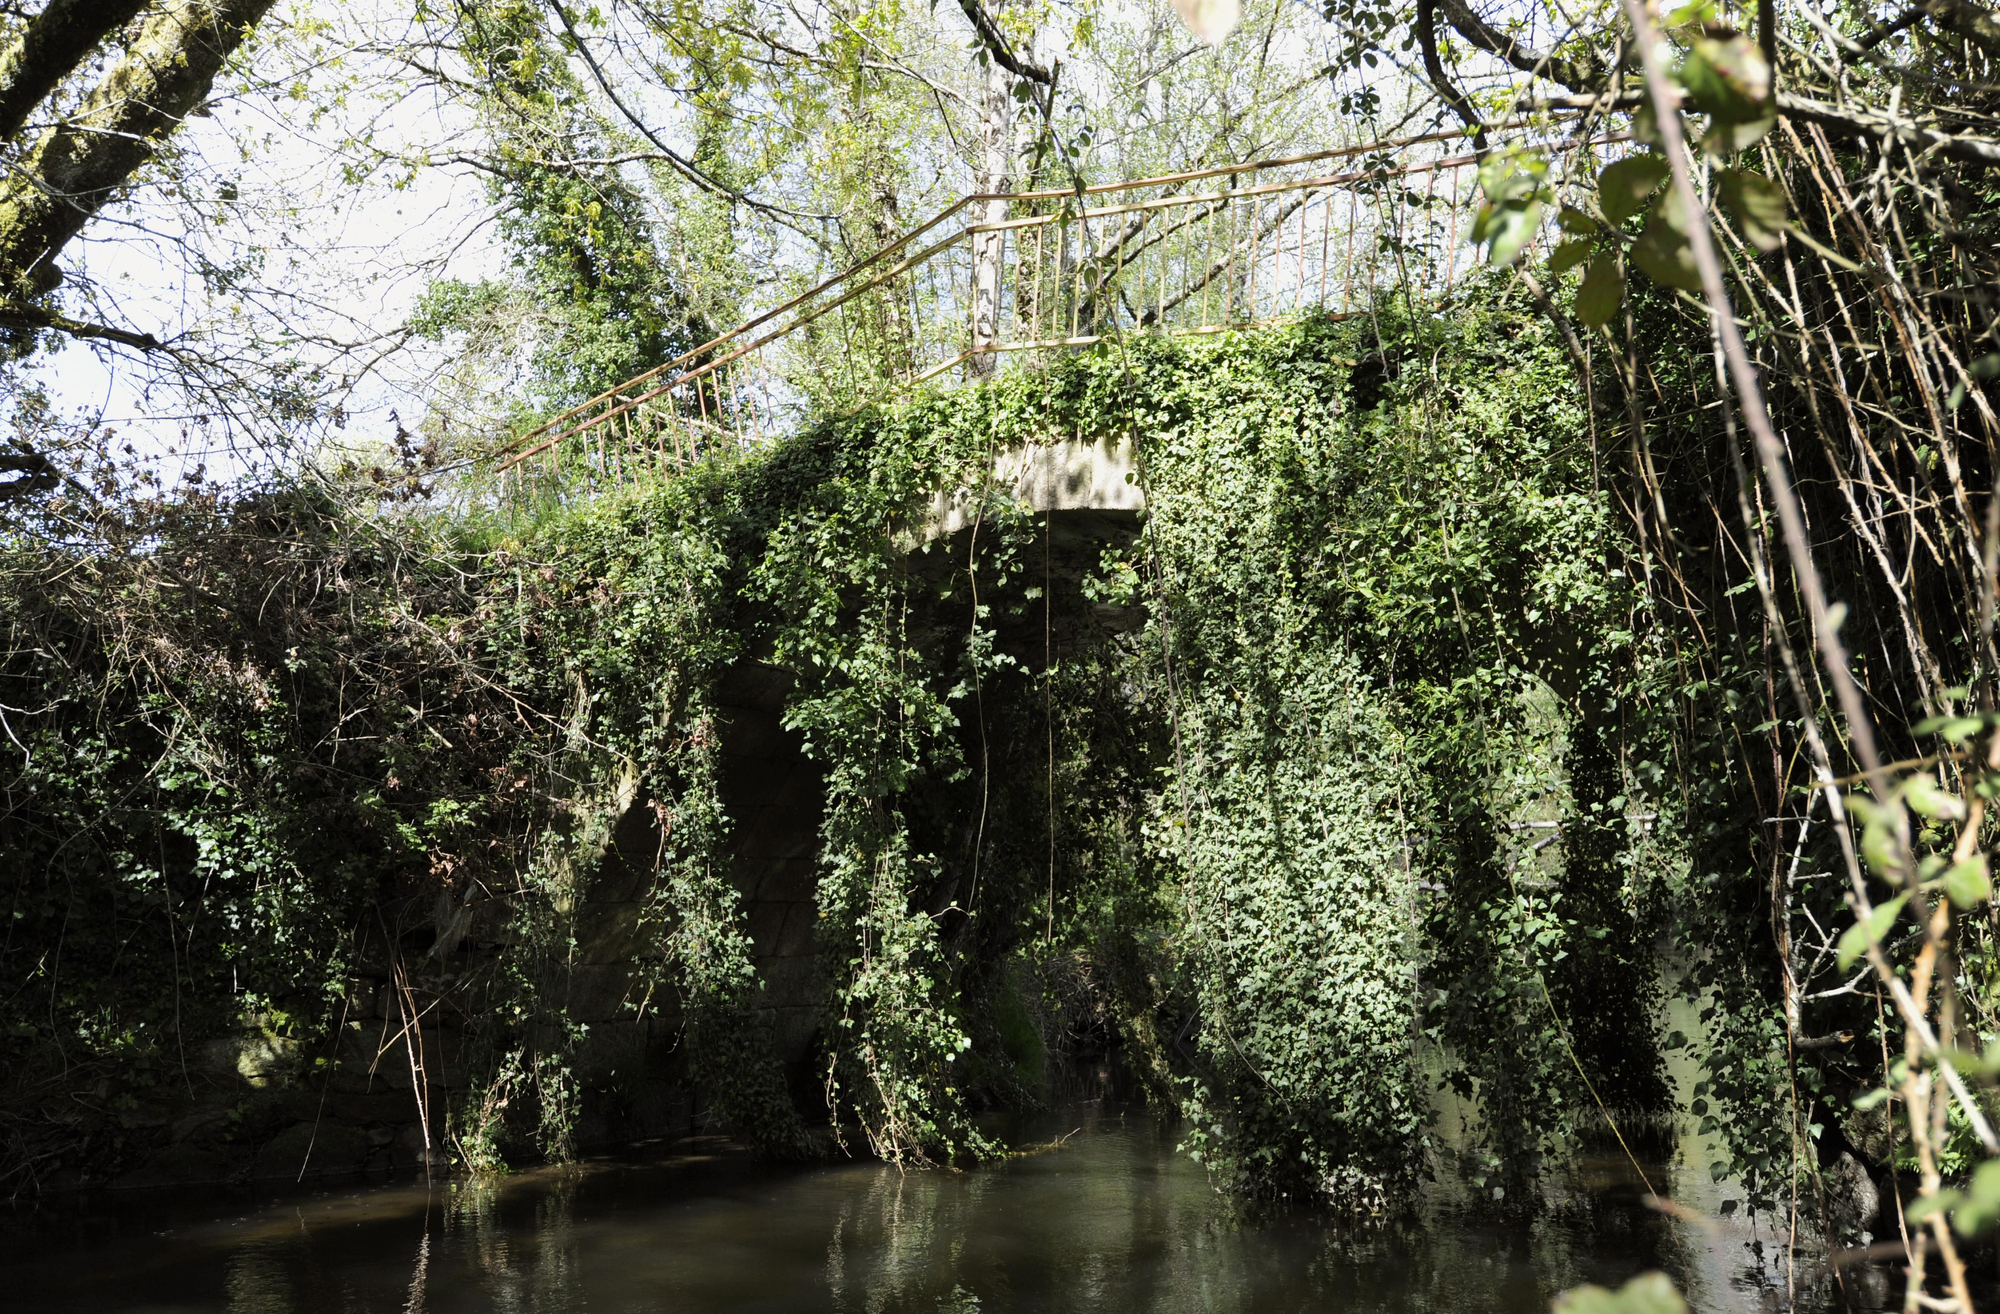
(1279, 832)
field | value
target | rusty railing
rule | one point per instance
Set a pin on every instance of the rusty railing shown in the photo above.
(1192, 253)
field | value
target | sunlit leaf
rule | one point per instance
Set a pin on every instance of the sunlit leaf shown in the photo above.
(1512, 176)
(1649, 1293)
(1511, 229)
(1968, 883)
(1954, 729)
(1982, 1202)
(1727, 79)
(1695, 15)
(1924, 1206)
(1879, 845)
(1855, 941)
(1927, 799)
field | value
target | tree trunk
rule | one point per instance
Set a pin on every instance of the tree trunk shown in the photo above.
(49, 48)
(995, 175)
(79, 164)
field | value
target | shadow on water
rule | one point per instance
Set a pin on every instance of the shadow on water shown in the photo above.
(1112, 1221)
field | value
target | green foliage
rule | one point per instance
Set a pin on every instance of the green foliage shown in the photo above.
(1281, 836)
(1423, 517)
(1351, 571)
(595, 294)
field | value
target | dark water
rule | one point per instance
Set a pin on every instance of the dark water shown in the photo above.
(1113, 1221)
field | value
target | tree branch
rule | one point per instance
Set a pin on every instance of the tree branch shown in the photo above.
(1440, 80)
(1884, 30)
(30, 318)
(1966, 19)
(1883, 126)
(996, 45)
(1576, 75)
(78, 165)
(682, 165)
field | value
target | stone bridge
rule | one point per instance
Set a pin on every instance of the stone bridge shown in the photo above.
(1089, 497)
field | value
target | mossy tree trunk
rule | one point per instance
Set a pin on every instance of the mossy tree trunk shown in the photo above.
(79, 163)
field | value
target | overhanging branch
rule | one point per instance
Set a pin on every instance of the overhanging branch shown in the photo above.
(687, 168)
(1574, 74)
(50, 47)
(1440, 80)
(1881, 125)
(996, 45)
(30, 318)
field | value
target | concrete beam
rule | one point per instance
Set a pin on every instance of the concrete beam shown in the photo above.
(1062, 476)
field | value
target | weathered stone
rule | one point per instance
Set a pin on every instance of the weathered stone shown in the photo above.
(1070, 476)
(324, 1149)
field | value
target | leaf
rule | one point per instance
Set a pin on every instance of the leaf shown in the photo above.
(1623, 187)
(1570, 254)
(1512, 176)
(1601, 292)
(1646, 125)
(1955, 729)
(1662, 251)
(1925, 1205)
(1978, 1212)
(1878, 845)
(1967, 883)
(1574, 221)
(1858, 937)
(1210, 20)
(1511, 229)
(1927, 799)
(1670, 211)
(1727, 79)
(1986, 1184)
(1649, 1293)
(1864, 808)
(1724, 139)
(1695, 14)
(1757, 205)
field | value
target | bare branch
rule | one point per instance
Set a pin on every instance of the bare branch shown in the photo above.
(30, 318)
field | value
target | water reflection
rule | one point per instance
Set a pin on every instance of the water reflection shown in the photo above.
(1114, 1222)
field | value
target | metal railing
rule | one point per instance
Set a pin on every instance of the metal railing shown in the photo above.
(1192, 253)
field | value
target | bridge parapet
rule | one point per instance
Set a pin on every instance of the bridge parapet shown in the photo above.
(1069, 476)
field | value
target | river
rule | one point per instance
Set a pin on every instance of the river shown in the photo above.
(1111, 1221)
